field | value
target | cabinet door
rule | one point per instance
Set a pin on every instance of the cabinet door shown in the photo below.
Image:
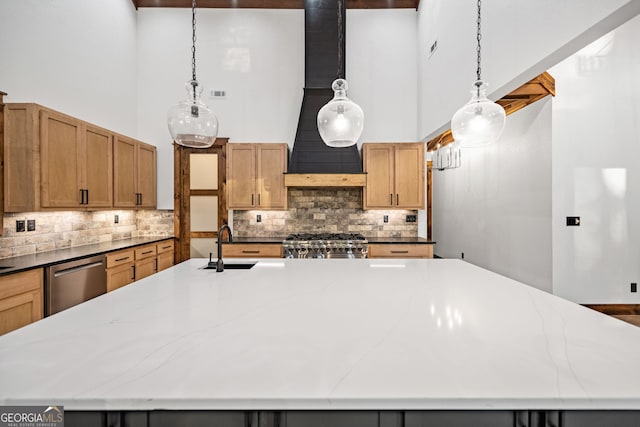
(124, 172)
(145, 268)
(241, 176)
(97, 167)
(20, 170)
(165, 260)
(146, 176)
(21, 299)
(120, 276)
(379, 166)
(272, 164)
(61, 159)
(409, 176)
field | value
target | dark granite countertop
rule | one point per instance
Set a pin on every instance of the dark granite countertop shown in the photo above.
(45, 259)
(400, 240)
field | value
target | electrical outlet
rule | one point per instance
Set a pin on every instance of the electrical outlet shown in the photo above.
(634, 287)
(31, 225)
(258, 218)
(573, 221)
(20, 226)
(116, 219)
(411, 218)
(385, 218)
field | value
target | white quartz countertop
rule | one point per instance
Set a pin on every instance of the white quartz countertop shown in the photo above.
(324, 334)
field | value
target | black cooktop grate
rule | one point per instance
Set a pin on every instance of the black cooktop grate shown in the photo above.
(325, 236)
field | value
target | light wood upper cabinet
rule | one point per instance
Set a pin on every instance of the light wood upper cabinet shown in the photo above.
(134, 173)
(55, 161)
(97, 166)
(395, 175)
(255, 176)
(61, 147)
(76, 163)
(21, 299)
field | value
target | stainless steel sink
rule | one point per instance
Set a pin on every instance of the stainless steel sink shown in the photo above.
(232, 266)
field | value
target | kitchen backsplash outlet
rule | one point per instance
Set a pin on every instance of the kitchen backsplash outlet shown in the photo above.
(324, 210)
(59, 230)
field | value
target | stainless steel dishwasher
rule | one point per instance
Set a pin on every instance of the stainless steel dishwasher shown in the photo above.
(71, 283)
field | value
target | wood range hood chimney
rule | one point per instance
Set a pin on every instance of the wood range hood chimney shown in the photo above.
(312, 163)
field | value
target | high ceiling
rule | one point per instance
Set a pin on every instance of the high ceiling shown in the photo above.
(276, 4)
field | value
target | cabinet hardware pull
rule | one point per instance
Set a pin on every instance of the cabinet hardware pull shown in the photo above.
(133, 272)
(397, 199)
(399, 252)
(166, 247)
(86, 200)
(252, 199)
(140, 198)
(250, 252)
(156, 270)
(390, 199)
(147, 252)
(259, 203)
(121, 259)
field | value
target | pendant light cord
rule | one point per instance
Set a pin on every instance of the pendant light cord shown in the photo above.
(478, 37)
(193, 47)
(340, 39)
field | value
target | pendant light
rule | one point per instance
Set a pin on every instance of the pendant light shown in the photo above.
(191, 123)
(480, 121)
(340, 121)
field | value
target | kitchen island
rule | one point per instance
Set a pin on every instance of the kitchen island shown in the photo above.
(396, 341)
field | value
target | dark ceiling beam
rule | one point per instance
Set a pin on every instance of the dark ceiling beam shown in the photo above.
(275, 4)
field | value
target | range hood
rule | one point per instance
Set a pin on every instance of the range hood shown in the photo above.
(312, 163)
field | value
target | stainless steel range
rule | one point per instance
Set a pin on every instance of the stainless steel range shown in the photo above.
(325, 245)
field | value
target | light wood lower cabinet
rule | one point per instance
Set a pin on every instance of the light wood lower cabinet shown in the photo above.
(128, 265)
(120, 269)
(146, 261)
(21, 299)
(252, 250)
(165, 252)
(400, 250)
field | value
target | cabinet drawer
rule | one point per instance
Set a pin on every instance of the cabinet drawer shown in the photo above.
(17, 283)
(145, 252)
(118, 258)
(400, 251)
(252, 250)
(164, 246)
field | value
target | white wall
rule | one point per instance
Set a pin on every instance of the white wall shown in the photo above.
(496, 208)
(257, 57)
(75, 56)
(382, 72)
(596, 170)
(520, 40)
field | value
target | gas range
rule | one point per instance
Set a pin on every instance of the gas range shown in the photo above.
(325, 245)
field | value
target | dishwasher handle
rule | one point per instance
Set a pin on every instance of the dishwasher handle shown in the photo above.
(76, 269)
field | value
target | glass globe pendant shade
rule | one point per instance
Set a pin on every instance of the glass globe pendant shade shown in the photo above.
(340, 121)
(191, 123)
(480, 121)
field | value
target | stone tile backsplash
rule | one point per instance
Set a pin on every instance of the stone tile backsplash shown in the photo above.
(58, 230)
(324, 210)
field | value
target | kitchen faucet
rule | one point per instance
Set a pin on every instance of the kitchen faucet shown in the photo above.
(219, 263)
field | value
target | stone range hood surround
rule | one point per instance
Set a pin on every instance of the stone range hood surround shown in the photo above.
(313, 163)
